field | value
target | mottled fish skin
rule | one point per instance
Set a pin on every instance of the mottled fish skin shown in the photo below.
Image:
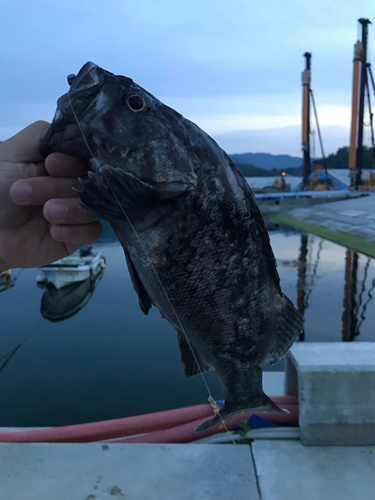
(198, 221)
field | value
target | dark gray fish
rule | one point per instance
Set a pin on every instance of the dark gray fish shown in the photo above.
(198, 221)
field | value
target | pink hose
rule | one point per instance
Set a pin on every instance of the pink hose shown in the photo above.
(185, 433)
(169, 426)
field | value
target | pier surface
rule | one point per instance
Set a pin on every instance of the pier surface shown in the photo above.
(349, 222)
(268, 469)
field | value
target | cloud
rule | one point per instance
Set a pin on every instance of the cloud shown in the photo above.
(229, 66)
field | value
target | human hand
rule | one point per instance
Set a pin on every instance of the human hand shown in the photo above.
(41, 219)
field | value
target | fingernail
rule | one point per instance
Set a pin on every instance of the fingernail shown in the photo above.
(58, 211)
(21, 191)
(57, 166)
(62, 231)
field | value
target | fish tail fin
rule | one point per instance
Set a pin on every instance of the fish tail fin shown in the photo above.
(265, 405)
(289, 326)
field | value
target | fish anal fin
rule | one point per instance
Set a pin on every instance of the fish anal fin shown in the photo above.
(111, 193)
(188, 359)
(144, 300)
(289, 326)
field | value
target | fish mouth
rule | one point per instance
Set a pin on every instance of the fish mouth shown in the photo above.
(72, 140)
(68, 133)
(64, 136)
(87, 77)
(107, 147)
(76, 131)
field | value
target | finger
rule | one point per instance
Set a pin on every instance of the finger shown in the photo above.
(61, 165)
(84, 234)
(67, 211)
(25, 146)
(38, 190)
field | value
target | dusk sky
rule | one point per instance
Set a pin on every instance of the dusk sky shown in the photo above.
(232, 67)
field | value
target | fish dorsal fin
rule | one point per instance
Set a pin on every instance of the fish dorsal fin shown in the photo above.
(110, 192)
(257, 218)
(144, 300)
(289, 325)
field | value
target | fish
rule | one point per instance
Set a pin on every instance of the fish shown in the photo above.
(195, 242)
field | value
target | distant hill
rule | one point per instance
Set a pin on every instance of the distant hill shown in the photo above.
(251, 171)
(267, 161)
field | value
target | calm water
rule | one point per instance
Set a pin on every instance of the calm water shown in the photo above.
(109, 360)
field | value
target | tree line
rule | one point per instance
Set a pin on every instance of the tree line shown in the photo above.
(340, 159)
(249, 170)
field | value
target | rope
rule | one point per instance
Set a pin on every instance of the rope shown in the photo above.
(319, 134)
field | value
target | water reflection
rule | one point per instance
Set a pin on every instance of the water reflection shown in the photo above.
(59, 304)
(56, 305)
(354, 301)
(349, 315)
(301, 281)
(6, 281)
(109, 360)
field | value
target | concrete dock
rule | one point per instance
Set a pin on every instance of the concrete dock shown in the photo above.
(349, 222)
(267, 469)
(355, 216)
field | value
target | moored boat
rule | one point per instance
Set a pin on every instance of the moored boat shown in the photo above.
(82, 265)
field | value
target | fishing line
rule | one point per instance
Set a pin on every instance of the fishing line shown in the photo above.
(30, 331)
(5, 358)
(211, 399)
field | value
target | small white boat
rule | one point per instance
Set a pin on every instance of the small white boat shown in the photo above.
(80, 266)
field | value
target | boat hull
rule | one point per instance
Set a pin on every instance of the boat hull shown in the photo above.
(61, 274)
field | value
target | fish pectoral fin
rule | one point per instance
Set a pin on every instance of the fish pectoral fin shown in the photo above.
(173, 189)
(193, 363)
(144, 300)
(112, 193)
(289, 326)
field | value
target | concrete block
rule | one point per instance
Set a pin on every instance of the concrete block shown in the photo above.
(287, 470)
(335, 384)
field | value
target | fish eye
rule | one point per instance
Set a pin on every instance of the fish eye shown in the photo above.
(136, 103)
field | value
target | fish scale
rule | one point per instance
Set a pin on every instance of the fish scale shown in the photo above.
(194, 239)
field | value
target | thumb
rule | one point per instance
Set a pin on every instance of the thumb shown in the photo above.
(25, 146)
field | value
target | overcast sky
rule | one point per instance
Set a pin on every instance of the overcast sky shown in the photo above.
(233, 67)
